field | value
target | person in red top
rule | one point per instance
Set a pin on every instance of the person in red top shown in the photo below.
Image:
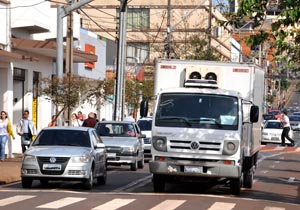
(90, 121)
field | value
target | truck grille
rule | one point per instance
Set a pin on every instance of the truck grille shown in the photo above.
(195, 145)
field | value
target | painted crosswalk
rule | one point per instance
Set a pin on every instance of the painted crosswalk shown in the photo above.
(117, 203)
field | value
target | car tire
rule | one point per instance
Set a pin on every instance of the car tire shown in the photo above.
(26, 182)
(101, 180)
(158, 183)
(134, 165)
(141, 163)
(88, 183)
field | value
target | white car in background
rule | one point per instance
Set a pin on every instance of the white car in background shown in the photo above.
(271, 132)
(145, 125)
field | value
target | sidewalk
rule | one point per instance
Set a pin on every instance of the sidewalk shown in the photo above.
(10, 169)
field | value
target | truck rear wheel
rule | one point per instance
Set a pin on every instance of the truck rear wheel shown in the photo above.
(235, 185)
(158, 183)
(248, 179)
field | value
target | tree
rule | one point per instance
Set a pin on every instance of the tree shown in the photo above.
(65, 92)
(284, 28)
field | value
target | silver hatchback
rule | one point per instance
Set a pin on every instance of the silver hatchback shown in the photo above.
(65, 153)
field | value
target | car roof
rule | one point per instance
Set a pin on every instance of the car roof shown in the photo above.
(145, 118)
(67, 128)
(116, 122)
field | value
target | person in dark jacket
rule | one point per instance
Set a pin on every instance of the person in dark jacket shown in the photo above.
(90, 121)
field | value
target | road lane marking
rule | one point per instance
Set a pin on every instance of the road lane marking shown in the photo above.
(222, 206)
(61, 203)
(114, 204)
(15, 199)
(168, 205)
(132, 184)
(273, 208)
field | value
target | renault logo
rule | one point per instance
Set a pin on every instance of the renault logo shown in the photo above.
(52, 160)
(194, 145)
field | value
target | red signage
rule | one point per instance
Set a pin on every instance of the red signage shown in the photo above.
(89, 49)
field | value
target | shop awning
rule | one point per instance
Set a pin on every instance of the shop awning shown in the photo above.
(48, 49)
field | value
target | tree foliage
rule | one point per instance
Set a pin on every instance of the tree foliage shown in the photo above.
(284, 27)
(65, 92)
(199, 50)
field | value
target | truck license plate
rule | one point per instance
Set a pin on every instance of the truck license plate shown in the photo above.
(53, 167)
(193, 169)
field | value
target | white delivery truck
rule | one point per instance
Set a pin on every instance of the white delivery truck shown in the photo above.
(206, 122)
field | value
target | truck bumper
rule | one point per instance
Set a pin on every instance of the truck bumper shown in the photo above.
(207, 170)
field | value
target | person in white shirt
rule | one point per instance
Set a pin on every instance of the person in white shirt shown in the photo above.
(129, 118)
(286, 129)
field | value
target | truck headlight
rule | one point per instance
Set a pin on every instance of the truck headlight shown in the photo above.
(159, 143)
(230, 147)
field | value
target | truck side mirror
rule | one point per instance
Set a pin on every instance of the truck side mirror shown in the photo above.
(254, 114)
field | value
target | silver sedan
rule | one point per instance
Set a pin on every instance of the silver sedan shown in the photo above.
(65, 153)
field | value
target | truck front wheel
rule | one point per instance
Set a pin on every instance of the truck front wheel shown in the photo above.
(158, 183)
(235, 185)
(248, 179)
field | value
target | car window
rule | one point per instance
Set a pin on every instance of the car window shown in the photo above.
(116, 129)
(63, 138)
(145, 125)
(294, 118)
(276, 125)
(268, 117)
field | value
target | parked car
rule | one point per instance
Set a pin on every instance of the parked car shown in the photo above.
(145, 125)
(276, 113)
(271, 132)
(295, 122)
(65, 153)
(124, 143)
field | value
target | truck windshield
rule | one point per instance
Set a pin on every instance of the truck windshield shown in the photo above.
(197, 111)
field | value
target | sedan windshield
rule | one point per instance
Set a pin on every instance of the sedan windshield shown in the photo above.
(62, 137)
(116, 129)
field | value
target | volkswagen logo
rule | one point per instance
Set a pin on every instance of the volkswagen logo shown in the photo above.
(194, 145)
(52, 160)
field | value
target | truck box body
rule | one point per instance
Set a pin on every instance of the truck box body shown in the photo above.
(191, 135)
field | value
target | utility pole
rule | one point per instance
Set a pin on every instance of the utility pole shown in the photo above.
(168, 44)
(121, 60)
(209, 23)
(69, 56)
(61, 13)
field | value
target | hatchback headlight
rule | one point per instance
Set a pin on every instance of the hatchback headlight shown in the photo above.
(29, 159)
(81, 159)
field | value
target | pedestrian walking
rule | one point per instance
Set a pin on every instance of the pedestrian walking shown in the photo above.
(26, 129)
(286, 128)
(5, 132)
(129, 118)
(74, 120)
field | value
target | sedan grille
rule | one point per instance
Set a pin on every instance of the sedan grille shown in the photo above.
(63, 161)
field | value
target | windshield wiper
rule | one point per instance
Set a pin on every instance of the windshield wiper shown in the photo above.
(211, 120)
(184, 119)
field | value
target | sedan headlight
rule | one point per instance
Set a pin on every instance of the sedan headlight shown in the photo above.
(159, 143)
(81, 159)
(29, 159)
(128, 149)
